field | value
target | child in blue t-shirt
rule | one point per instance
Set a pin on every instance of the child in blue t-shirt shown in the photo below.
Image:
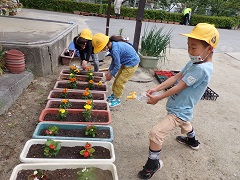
(124, 63)
(191, 83)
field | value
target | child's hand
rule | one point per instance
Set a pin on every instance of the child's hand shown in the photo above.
(150, 91)
(151, 99)
(84, 64)
(108, 77)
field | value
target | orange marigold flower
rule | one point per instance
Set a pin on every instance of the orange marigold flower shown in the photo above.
(72, 67)
(87, 89)
(89, 68)
(91, 81)
(72, 79)
(65, 90)
(88, 102)
(64, 101)
(85, 93)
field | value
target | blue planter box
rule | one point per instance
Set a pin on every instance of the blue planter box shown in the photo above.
(45, 125)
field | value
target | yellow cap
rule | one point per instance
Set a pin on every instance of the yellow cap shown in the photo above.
(205, 32)
(99, 41)
(86, 34)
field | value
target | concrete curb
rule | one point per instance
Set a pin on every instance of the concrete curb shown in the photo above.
(12, 86)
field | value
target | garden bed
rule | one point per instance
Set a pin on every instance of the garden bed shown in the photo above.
(80, 86)
(73, 132)
(75, 116)
(56, 171)
(76, 94)
(77, 104)
(82, 72)
(33, 152)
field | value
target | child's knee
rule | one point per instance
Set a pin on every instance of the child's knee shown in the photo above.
(156, 136)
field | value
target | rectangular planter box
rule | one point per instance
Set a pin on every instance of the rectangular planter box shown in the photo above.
(97, 96)
(95, 113)
(53, 166)
(67, 59)
(82, 78)
(82, 86)
(66, 143)
(55, 103)
(45, 125)
(82, 72)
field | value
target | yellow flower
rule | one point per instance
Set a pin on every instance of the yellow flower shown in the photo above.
(62, 111)
(76, 70)
(87, 106)
(100, 83)
(91, 74)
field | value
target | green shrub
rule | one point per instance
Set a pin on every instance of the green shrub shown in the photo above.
(70, 6)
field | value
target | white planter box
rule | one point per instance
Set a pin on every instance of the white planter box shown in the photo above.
(53, 166)
(66, 143)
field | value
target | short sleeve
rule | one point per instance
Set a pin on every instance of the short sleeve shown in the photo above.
(194, 76)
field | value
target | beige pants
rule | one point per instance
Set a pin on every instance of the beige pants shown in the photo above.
(164, 127)
(123, 75)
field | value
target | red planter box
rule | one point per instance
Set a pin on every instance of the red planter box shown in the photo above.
(97, 115)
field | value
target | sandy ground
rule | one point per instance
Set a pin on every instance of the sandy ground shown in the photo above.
(216, 124)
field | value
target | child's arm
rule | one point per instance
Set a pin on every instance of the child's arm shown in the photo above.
(166, 84)
(174, 90)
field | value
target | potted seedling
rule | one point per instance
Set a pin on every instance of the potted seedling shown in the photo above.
(154, 43)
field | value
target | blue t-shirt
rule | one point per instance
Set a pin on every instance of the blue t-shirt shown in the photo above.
(196, 77)
(122, 54)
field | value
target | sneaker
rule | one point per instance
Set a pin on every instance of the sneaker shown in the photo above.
(184, 140)
(110, 98)
(148, 173)
(114, 102)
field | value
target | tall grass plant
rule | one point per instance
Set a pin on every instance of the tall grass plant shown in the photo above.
(155, 41)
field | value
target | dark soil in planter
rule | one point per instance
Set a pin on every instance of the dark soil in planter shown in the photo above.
(36, 151)
(77, 105)
(78, 133)
(67, 72)
(78, 117)
(75, 96)
(82, 87)
(66, 174)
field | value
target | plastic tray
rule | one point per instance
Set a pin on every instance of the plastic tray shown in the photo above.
(209, 94)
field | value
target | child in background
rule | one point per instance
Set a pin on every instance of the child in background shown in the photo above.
(124, 63)
(191, 83)
(83, 43)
